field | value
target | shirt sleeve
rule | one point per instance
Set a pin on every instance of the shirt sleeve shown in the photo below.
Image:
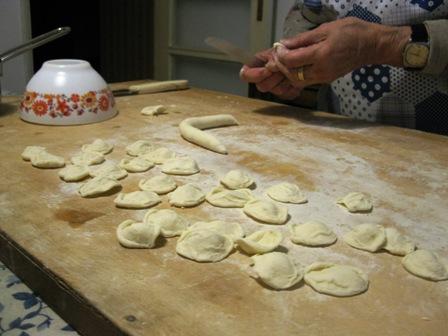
(438, 48)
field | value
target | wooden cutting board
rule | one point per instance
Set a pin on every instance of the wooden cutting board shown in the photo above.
(65, 246)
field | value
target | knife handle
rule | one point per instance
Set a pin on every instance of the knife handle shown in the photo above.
(160, 86)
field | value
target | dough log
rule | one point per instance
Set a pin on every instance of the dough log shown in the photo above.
(191, 130)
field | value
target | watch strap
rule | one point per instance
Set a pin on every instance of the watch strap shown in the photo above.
(419, 33)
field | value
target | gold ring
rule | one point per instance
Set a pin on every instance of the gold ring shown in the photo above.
(300, 74)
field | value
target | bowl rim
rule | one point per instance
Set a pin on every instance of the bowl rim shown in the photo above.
(66, 63)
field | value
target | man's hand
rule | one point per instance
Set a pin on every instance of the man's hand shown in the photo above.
(268, 78)
(339, 47)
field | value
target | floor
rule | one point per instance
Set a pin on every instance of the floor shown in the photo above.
(22, 313)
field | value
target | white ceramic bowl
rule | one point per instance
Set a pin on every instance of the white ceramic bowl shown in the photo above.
(67, 92)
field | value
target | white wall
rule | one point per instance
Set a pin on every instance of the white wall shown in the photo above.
(15, 28)
(283, 7)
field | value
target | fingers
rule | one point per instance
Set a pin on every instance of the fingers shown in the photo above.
(254, 75)
(289, 93)
(270, 83)
(297, 57)
(304, 39)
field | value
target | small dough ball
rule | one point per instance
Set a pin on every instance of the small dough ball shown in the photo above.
(237, 179)
(367, 237)
(137, 200)
(160, 184)
(397, 243)
(287, 193)
(187, 195)
(136, 165)
(137, 235)
(356, 202)
(140, 147)
(230, 229)
(312, 233)
(224, 198)
(266, 211)
(277, 270)
(108, 169)
(337, 280)
(427, 265)
(204, 245)
(171, 223)
(30, 151)
(99, 146)
(88, 159)
(153, 110)
(260, 242)
(180, 166)
(43, 159)
(73, 173)
(98, 186)
(160, 155)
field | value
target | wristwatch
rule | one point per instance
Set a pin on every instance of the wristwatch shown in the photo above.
(416, 52)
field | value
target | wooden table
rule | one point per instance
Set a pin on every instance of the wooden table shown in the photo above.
(64, 246)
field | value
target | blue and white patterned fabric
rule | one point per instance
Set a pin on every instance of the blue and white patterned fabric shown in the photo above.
(388, 94)
(24, 314)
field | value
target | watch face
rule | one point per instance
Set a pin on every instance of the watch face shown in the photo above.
(416, 55)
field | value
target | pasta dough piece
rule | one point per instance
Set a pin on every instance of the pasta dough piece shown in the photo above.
(30, 151)
(266, 211)
(171, 223)
(426, 264)
(140, 147)
(88, 159)
(99, 146)
(160, 155)
(43, 159)
(153, 110)
(136, 165)
(277, 270)
(97, 186)
(368, 237)
(187, 195)
(356, 202)
(312, 233)
(191, 130)
(137, 235)
(204, 245)
(287, 193)
(180, 166)
(396, 243)
(73, 173)
(230, 229)
(260, 242)
(108, 169)
(337, 280)
(137, 200)
(237, 179)
(224, 198)
(160, 184)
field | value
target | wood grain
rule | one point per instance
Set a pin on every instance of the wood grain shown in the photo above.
(65, 246)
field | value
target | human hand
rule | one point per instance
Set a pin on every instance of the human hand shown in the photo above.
(268, 78)
(337, 48)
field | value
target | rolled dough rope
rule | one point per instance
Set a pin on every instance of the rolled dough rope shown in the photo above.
(160, 86)
(191, 130)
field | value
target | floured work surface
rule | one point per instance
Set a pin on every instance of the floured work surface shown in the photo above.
(157, 292)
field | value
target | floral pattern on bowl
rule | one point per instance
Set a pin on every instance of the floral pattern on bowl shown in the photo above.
(61, 105)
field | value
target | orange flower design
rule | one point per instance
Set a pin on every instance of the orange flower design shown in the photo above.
(75, 97)
(104, 103)
(63, 107)
(89, 100)
(40, 107)
(29, 98)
